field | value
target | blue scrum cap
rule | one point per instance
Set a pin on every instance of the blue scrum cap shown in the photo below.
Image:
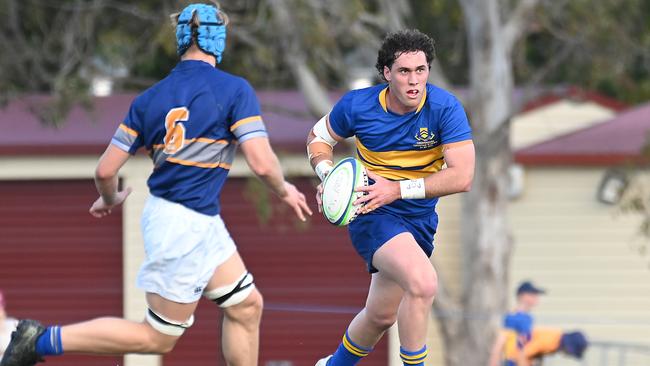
(210, 34)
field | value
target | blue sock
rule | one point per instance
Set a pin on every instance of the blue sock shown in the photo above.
(413, 358)
(49, 343)
(348, 353)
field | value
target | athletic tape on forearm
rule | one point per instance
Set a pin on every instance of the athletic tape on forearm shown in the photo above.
(412, 189)
(323, 168)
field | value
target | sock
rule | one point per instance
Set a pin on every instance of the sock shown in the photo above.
(348, 353)
(49, 343)
(413, 358)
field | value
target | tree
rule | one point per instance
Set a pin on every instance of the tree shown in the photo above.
(486, 239)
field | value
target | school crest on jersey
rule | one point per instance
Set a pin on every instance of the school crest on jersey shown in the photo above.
(425, 139)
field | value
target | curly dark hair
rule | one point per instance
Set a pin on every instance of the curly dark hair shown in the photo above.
(396, 43)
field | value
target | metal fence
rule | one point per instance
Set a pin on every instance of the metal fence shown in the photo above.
(601, 353)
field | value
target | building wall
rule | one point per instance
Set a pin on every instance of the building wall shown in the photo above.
(584, 253)
(559, 118)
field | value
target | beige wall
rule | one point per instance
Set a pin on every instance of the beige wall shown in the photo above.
(581, 250)
(555, 119)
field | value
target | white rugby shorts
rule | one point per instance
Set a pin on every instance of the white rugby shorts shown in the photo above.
(182, 249)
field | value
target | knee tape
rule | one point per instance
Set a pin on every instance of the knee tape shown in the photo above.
(234, 293)
(166, 326)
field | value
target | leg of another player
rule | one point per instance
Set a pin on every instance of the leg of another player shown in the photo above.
(118, 336)
(403, 261)
(241, 322)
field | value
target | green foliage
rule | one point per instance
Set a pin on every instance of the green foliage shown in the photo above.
(602, 45)
(443, 20)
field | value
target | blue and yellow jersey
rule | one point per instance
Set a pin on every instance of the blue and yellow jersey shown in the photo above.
(404, 146)
(190, 123)
(518, 327)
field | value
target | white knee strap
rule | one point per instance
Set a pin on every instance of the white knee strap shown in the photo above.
(234, 293)
(166, 326)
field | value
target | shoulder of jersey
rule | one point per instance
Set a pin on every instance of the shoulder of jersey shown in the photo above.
(440, 96)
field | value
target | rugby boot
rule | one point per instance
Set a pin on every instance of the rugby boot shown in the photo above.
(22, 348)
(321, 362)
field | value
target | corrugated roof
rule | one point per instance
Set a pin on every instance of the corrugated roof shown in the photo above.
(616, 141)
(576, 94)
(89, 131)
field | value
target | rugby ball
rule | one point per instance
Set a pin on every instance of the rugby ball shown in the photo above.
(338, 191)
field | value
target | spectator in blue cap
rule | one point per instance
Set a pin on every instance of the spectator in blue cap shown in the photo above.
(517, 327)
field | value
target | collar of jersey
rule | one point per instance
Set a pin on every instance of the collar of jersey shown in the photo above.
(189, 64)
(384, 104)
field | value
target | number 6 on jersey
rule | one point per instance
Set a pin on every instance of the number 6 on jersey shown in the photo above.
(175, 136)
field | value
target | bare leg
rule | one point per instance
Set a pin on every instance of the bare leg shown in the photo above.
(241, 322)
(119, 336)
(380, 313)
(402, 261)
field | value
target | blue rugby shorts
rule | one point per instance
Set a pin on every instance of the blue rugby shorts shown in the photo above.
(370, 231)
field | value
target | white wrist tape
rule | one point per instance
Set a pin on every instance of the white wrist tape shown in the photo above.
(323, 168)
(412, 189)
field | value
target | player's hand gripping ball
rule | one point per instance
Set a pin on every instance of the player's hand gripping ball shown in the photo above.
(338, 191)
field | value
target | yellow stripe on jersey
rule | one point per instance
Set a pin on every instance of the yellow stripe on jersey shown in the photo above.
(197, 164)
(384, 93)
(204, 140)
(244, 121)
(382, 99)
(401, 164)
(128, 130)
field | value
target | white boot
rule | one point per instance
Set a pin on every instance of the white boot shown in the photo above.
(323, 361)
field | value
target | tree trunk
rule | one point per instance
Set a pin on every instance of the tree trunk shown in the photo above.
(486, 240)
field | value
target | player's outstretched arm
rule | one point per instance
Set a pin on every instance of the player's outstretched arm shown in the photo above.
(264, 163)
(496, 353)
(106, 181)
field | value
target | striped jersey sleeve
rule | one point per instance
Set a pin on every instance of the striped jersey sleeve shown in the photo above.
(128, 135)
(246, 118)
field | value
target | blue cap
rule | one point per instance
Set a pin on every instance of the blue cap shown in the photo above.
(527, 287)
(210, 34)
(574, 343)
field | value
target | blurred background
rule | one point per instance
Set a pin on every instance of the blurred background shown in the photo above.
(558, 95)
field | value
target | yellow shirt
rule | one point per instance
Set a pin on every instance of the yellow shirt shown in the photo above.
(543, 341)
